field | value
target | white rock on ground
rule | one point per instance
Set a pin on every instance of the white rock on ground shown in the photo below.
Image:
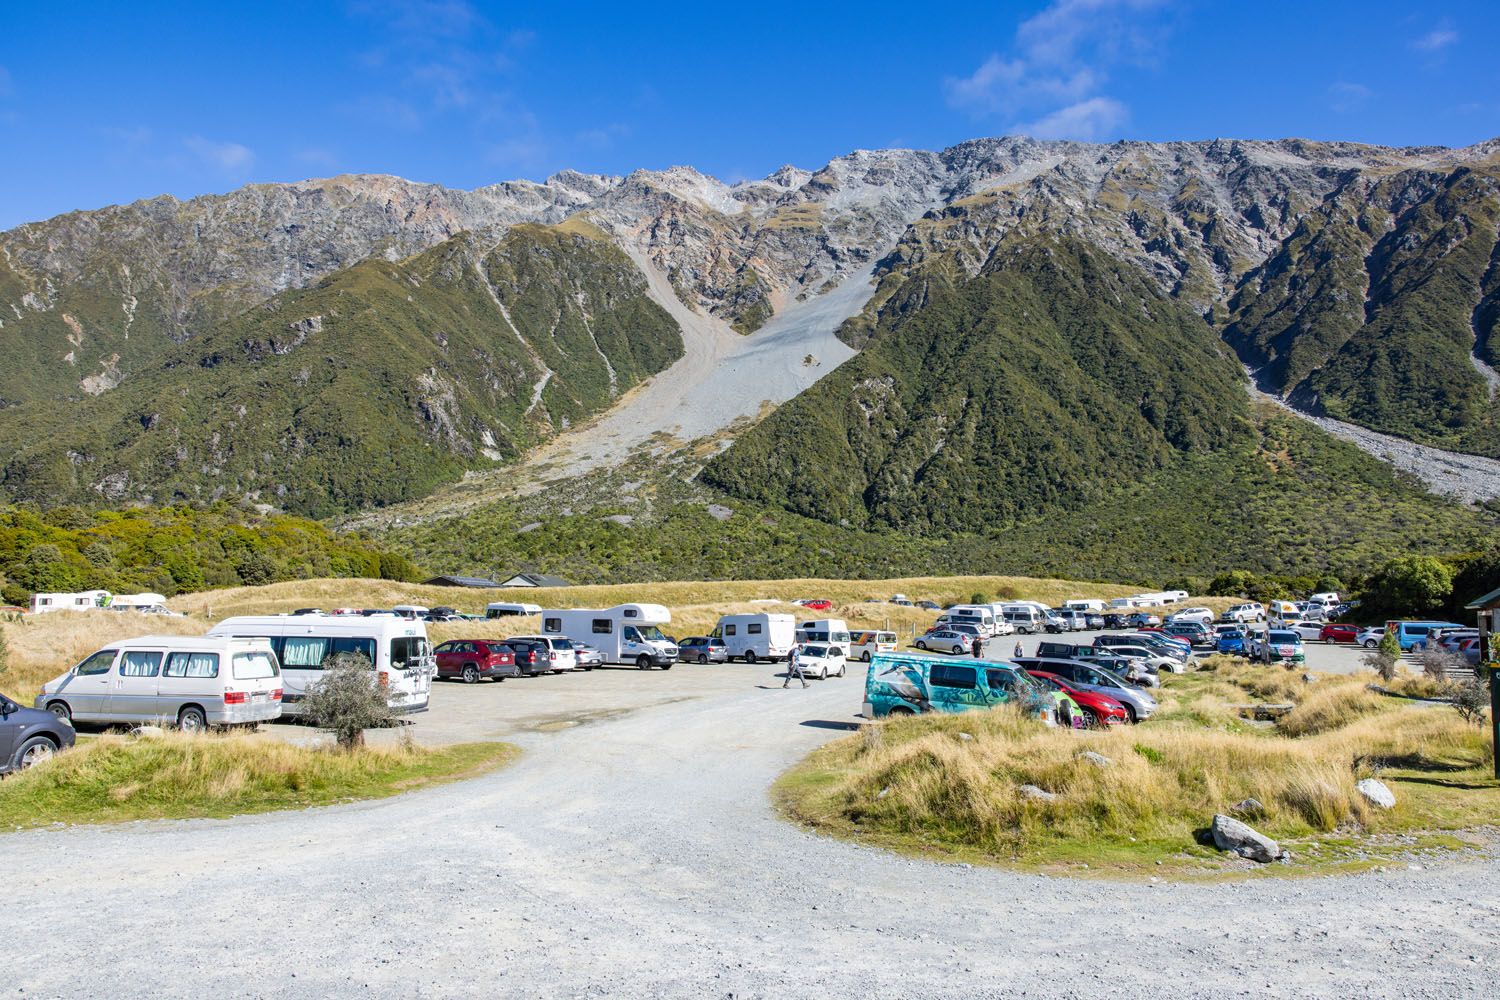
(1377, 793)
(1232, 835)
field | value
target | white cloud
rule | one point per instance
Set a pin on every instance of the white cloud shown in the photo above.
(230, 157)
(1344, 97)
(1439, 38)
(1058, 65)
(1087, 121)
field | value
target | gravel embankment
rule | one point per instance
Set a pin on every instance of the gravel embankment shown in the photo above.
(1471, 478)
(637, 855)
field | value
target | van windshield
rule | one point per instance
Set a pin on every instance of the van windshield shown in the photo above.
(651, 633)
(255, 666)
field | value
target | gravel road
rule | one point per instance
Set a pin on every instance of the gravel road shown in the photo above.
(635, 854)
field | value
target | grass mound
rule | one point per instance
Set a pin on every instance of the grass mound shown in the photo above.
(176, 776)
(954, 785)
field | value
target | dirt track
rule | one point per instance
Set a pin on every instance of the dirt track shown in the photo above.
(633, 852)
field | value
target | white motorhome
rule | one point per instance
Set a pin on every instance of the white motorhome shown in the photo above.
(984, 613)
(624, 634)
(1084, 604)
(506, 609)
(191, 681)
(85, 600)
(397, 649)
(757, 636)
(832, 631)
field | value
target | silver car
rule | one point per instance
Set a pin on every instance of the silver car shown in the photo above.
(944, 641)
(1138, 704)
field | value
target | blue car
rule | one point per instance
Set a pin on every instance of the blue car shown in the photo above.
(1232, 642)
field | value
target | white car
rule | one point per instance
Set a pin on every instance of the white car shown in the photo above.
(1251, 612)
(1308, 630)
(821, 661)
(1203, 616)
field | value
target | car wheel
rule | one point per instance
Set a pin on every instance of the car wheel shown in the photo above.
(471, 674)
(1371, 644)
(843, 669)
(866, 656)
(750, 656)
(823, 674)
(920, 645)
(900, 710)
(34, 751)
(1130, 714)
(1090, 720)
(192, 720)
(61, 710)
(703, 658)
(643, 662)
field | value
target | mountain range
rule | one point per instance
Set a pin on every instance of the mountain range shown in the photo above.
(1029, 331)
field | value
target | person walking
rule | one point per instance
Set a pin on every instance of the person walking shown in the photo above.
(978, 646)
(1019, 650)
(794, 668)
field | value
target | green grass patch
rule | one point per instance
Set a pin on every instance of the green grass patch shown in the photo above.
(116, 779)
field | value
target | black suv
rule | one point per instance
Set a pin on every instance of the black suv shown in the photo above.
(29, 736)
(533, 656)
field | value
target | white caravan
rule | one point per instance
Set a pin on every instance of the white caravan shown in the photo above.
(191, 681)
(397, 649)
(506, 609)
(1084, 604)
(757, 636)
(833, 631)
(624, 634)
(85, 600)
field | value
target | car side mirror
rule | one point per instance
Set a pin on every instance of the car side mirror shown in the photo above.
(5, 709)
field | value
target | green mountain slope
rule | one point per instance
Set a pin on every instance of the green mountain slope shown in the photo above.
(1029, 388)
(371, 387)
(1374, 309)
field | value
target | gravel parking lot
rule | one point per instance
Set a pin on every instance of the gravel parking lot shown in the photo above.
(633, 851)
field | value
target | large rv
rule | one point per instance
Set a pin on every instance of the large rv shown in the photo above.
(623, 634)
(830, 631)
(757, 636)
(84, 601)
(397, 649)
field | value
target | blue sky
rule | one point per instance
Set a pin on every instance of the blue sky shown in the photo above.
(109, 102)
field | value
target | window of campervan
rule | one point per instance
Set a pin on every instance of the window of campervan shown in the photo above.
(501, 609)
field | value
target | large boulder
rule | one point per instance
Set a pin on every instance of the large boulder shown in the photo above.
(1232, 835)
(1376, 793)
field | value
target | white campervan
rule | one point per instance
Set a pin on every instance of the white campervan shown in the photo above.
(625, 633)
(85, 600)
(967, 612)
(191, 681)
(757, 636)
(397, 649)
(504, 609)
(1084, 604)
(831, 631)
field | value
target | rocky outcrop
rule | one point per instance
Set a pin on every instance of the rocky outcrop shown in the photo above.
(1239, 838)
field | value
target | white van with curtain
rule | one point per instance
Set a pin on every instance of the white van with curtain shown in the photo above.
(396, 648)
(192, 682)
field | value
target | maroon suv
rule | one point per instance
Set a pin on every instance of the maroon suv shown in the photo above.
(472, 659)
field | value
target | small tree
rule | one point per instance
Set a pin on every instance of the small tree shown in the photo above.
(1471, 699)
(1437, 662)
(979, 597)
(1385, 657)
(348, 700)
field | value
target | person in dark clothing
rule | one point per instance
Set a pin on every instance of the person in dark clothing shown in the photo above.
(978, 646)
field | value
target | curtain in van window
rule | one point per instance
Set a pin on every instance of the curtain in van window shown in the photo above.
(138, 664)
(192, 665)
(304, 652)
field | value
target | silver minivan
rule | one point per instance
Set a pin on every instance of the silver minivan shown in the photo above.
(191, 681)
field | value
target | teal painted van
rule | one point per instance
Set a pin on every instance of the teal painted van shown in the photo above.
(911, 683)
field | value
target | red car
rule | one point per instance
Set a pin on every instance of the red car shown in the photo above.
(1338, 633)
(473, 659)
(1098, 709)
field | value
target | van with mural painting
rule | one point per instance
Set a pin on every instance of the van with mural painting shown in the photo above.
(899, 684)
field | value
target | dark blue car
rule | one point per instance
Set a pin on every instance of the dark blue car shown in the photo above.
(29, 735)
